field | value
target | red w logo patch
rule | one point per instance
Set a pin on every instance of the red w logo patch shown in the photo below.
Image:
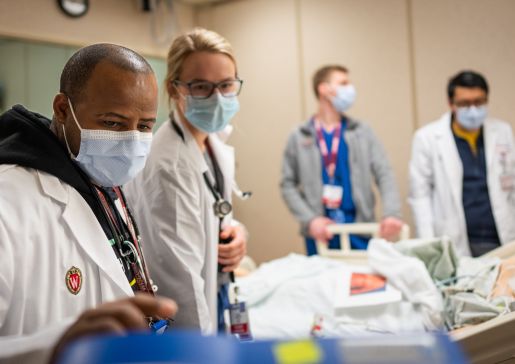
(74, 280)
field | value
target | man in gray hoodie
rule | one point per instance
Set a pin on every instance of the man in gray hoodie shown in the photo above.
(329, 164)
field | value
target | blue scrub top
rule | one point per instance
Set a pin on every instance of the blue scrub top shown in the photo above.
(347, 211)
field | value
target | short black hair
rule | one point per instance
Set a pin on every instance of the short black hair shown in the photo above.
(469, 79)
(81, 64)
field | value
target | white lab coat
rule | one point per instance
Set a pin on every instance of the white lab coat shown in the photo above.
(174, 210)
(46, 227)
(436, 175)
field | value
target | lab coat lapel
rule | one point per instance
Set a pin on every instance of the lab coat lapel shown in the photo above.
(191, 144)
(449, 156)
(224, 155)
(490, 140)
(90, 236)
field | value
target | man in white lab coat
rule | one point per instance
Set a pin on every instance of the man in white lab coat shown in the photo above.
(462, 172)
(70, 256)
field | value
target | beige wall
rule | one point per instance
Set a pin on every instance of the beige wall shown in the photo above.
(264, 37)
(400, 53)
(450, 35)
(279, 45)
(113, 21)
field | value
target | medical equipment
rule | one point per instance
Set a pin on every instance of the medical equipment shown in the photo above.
(347, 254)
(221, 207)
(186, 347)
(488, 342)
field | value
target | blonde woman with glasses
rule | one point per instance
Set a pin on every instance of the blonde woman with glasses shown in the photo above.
(182, 198)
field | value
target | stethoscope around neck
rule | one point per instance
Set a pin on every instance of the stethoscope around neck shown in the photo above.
(221, 207)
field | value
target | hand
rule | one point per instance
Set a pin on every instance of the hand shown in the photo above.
(390, 228)
(231, 254)
(318, 228)
(117, 317)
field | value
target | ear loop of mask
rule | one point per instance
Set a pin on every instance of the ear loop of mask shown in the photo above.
(64, 130)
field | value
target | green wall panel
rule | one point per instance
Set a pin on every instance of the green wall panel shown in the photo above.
(30, 73)
(13, 77)
(159, 66)
(44, 66)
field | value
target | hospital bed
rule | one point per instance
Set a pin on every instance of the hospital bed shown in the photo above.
(345, 252)
(492, 341)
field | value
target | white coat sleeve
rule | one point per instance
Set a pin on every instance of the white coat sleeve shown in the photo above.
(180, 243)
(421, 179)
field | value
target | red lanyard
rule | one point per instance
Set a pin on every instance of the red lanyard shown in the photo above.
(141, 275)
(329, 158)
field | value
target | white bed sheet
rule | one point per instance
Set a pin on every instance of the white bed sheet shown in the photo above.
(286, 294)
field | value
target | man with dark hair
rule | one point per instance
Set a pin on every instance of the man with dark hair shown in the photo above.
(329, 165)
(462, 172)
(68, 243)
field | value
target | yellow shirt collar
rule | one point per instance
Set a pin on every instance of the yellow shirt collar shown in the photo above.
(469, 136)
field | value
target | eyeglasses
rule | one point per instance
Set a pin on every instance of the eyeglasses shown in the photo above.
(204, 89)
(468, 103)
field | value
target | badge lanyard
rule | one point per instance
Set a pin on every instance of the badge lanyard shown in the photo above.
(238, 314)
(332, 194)
(133, 228)
(329, 158)
(137, 265)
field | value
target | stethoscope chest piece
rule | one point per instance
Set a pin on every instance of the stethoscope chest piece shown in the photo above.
(222, 208)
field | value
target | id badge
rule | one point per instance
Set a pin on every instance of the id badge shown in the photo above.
(160, 326)
(239, 317)
(332, 196)
(507, 181)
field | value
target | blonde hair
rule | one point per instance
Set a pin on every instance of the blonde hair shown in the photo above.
(197, 40)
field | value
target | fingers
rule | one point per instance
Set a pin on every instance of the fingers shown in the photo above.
(227, 232)
(125, 313)
(228, 250)
(382, 230)
(155, 306)
(318, 228)
(233, 256)
(328, 235)
(231, 261)
(118, 317)
(391, 226)
(132, 312)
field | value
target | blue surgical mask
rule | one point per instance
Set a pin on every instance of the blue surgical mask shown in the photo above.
(212, 114)
(471, 117)
(111, 158)
(344, 99)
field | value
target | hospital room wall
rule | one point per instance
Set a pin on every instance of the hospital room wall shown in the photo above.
(114, 21)
(401, 54)
(450, 35)
(32, 56)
